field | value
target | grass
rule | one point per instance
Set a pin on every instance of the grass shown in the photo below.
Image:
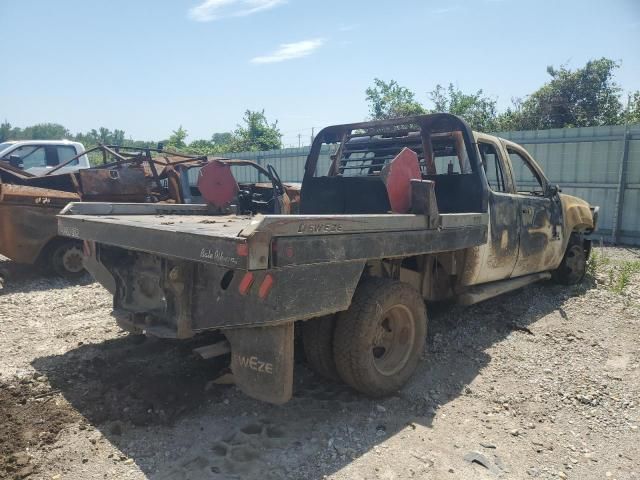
(625, 273)
(619, 274)
(596, 263)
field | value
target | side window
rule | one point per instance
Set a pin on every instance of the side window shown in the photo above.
(492, 167)
(450, 154)
(32, 156)
(527, 180)
(446, 164)
(66, 152)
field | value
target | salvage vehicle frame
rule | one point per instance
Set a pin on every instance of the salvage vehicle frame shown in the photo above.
(29, 203)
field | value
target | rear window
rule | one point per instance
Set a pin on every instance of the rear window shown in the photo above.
(450, 154)
(364, 154)
(66, 152)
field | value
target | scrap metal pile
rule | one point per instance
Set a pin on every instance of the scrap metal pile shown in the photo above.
(29, 203)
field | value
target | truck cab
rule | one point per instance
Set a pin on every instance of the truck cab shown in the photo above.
(39, 156)
(531, 222)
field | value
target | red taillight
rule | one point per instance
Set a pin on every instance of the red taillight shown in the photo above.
(245, 283)
(242, 249)
(265, 286)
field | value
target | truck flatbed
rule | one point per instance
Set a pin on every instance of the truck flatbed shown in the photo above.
(192, 232)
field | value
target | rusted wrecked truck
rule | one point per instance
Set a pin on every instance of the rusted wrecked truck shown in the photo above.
(411, 210)
(29, 203)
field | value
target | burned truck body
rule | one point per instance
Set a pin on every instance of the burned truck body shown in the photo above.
(412, 209)
(29, 203)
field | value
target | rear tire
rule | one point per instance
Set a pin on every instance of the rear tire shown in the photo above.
(66, 260)
(317, 339)
(573, 267)
(378, 341)
(4, 275)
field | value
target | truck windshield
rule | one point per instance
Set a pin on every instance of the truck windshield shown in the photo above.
(4, 146)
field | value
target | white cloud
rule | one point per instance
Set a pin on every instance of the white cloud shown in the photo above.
(289, 51)
(445, 10)
(348, 28)
(210, 10)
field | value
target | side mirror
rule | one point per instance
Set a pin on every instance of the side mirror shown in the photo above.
(16, 161)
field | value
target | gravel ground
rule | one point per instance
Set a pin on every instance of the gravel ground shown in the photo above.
(539, 383)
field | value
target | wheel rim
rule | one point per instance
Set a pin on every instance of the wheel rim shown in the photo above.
(72, 260)
(575, 262)
(394, 340)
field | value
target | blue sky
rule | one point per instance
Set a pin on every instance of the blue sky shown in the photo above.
(148, 66)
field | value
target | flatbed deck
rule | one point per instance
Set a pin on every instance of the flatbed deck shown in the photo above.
(192, 232)
(205, 225)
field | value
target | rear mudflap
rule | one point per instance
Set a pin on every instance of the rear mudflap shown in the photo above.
(262, 361)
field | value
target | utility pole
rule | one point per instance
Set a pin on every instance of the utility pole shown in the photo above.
(313, 130)
(299, 140)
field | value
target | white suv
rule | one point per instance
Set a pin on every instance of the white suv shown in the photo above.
(39, 156)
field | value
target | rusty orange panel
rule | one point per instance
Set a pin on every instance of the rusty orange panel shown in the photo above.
(28, 219)
(128, 183)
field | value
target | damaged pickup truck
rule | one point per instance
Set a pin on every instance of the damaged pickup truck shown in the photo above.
(411, 210)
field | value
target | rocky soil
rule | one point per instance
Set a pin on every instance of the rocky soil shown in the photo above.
(542, 383)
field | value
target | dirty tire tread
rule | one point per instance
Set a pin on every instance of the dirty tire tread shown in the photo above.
(317, 340)
(351, 333)
(55, 254)
(562, 274)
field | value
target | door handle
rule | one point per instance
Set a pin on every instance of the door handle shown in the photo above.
(527, 210)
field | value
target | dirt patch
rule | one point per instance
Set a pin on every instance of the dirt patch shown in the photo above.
(133, 379)
(31, 416)
(541, 383)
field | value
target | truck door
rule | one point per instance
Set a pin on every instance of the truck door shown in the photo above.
(61, 155)
(498, 257)
(540, 215)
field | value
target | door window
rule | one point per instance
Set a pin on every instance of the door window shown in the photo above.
(32, 156)
(65, 152)
(527, 180)
(492, 167)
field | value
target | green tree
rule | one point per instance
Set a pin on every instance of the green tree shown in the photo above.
(584, 97)
(177, 139)
(631, 114)
(202, 147)
(102, 135)
(5, 131)
(45, 131)
(130, 142)
(390, 100)
(221, 139)
(478, 110)
(255, 134)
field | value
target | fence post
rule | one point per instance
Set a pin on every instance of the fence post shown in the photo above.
(622, 179)
(259, 161)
